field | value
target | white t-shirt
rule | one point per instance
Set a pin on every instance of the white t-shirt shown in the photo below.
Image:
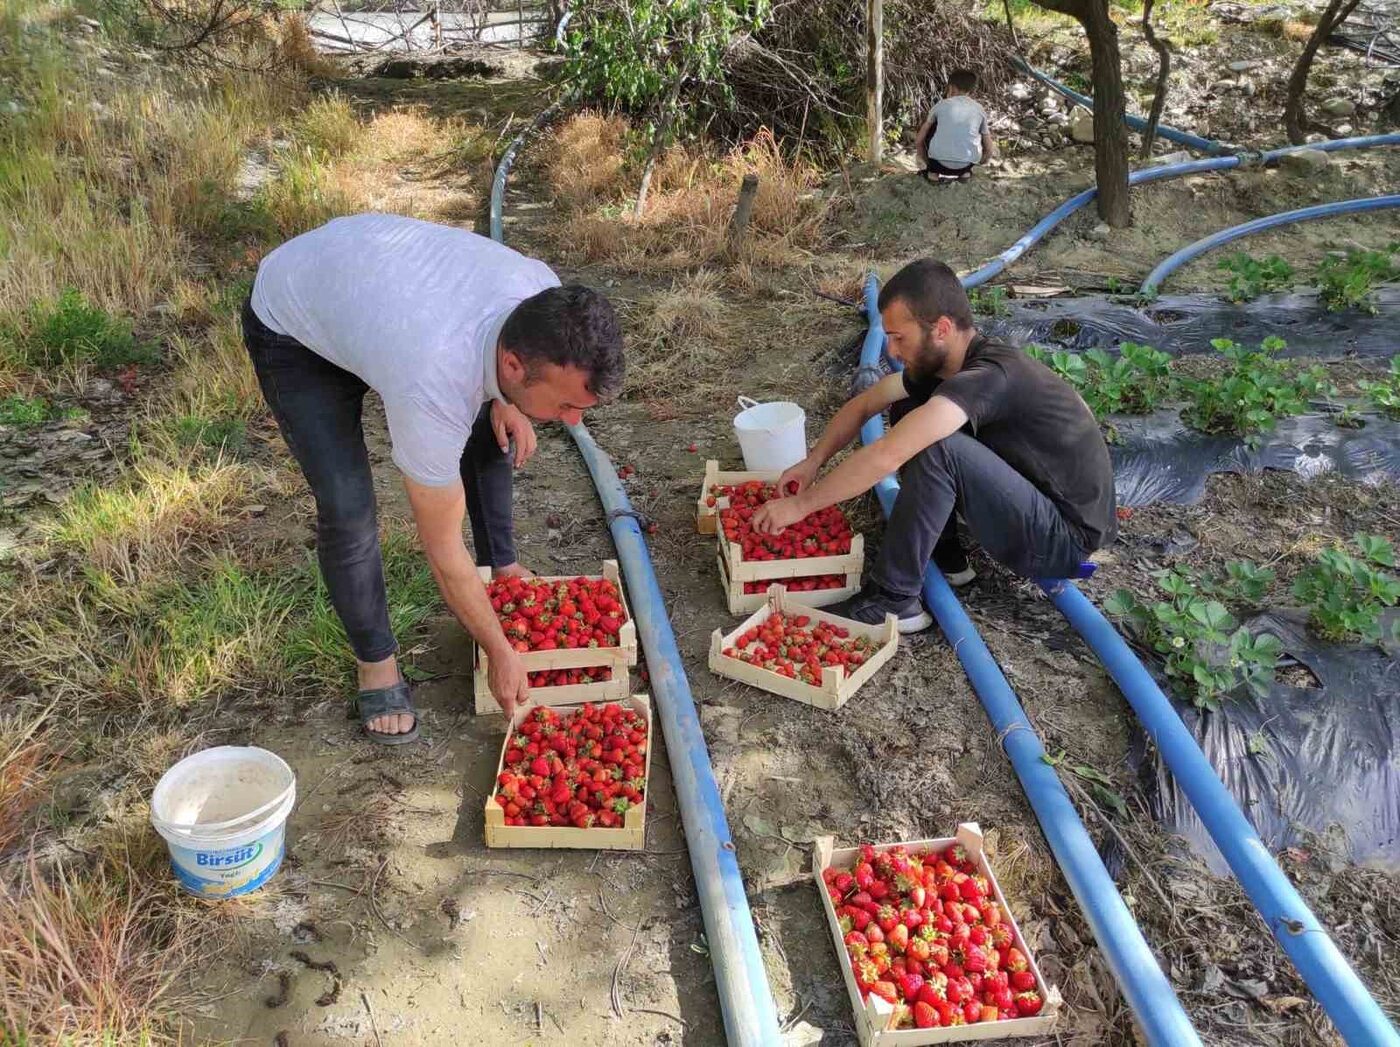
(415, 310)
(957, 140)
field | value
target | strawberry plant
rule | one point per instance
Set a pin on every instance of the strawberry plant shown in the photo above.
(1347, 281)
(1255, 391)
(923, 931)
(989, 301)
(1204, 648)
(1250, 277)
(791, 646)
(1134, 382)
(1385, 394)
(542, 614)
(585, 768)
(1346, 595)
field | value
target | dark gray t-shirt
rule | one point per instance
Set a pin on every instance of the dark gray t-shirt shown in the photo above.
(1035, 421)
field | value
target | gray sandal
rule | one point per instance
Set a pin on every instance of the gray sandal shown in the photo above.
(386, 701)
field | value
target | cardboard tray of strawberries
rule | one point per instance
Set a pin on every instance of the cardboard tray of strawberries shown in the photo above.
(815, 591)
(820, 544)
(814, 657)
(925, 961)
(552, 790)
(544, 616)
(714, 492)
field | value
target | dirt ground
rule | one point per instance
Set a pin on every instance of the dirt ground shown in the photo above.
(433, 937)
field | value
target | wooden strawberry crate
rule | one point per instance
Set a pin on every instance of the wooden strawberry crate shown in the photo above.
(837, 686)
(631, 836)
(615, 658)
(707, 516)
(737, 569)
(876, 1019)
(741, 602)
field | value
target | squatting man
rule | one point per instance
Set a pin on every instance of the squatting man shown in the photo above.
(465, 341)
(978, 429)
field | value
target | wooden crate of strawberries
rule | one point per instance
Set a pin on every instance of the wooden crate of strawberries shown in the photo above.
(588, 611)
(715, 491)
(821, 544)
(573, 776)
(928, 947)
(803, 653)
(819, 591)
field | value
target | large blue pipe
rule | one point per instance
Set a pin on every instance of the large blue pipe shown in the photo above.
(1224, 236)
(1129, 958)
(1157, 173)
(1137, 123)
(1321, 965)
(745, 998)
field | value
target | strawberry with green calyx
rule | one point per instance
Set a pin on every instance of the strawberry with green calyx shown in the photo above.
(1015, 960)
(1022, 981)
(1028, 1004)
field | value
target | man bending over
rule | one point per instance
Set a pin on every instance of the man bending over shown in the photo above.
(978, 427)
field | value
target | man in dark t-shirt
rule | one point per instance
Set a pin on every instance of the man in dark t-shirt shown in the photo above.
(977, 427)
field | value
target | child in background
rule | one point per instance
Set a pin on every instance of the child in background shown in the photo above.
(955, 137)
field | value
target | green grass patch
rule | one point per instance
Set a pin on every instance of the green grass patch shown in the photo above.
(24, 411)
(70, 330)
(1349, 281)
(216, 434)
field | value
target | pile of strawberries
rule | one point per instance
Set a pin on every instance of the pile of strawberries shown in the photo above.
(560, 614)
(800, 585)
(583, 768)
(826, 532)
(791, 646)
(924, 932)
(564, 677)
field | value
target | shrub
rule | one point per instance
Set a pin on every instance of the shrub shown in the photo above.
(1251, 277)
(1347, 282)
(1346, 595)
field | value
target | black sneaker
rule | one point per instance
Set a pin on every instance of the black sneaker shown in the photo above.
(949, 557)
(871, 604)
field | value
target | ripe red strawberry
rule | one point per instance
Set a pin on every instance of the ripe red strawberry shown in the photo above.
(886, 991)
(1022, 981)
(1015, 960)
(693, 448)
(887, 917)
(1028, 1004)
(925, 1017)
(910, 985)
(1002, 999)
(954, 991)
(972, 1012)
(974, 959)
(946, 1012)
(899, 937)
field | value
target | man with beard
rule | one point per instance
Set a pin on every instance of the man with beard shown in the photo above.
(978, 428)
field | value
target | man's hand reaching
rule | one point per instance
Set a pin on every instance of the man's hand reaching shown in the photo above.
(509, 683)
(509, 423)
(802, 474)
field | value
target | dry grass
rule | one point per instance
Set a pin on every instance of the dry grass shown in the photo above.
(682, 334)
(89, 957)
(688, 210)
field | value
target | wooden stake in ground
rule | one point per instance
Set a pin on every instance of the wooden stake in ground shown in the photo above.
(1164, 69)
(743, 210)
(875, 77)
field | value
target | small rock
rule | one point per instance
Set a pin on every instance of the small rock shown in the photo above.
(1221, 86)
(1247, 88)
(1306, 161)
(1344, 129)
(1339, 107)
(803, 1034)
(1031, 123)
(1050, 100)
(1181, 156)
(1244, 66)
(1057, 119)
(1315, 138)
(1100, 232)
(1081, 125)
(1019, 91)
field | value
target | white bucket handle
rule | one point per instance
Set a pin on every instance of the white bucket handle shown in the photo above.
(203, 827)
(746, 402)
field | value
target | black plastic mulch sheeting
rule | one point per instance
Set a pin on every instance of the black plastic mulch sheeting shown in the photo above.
(1158, 459)
(1184, 324)
(1302, 762)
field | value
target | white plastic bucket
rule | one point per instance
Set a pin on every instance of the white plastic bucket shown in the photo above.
(772, 436)
(223, 813)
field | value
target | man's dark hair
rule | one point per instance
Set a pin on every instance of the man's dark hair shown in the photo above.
(570, 326)
(929, 289)
(965, 80)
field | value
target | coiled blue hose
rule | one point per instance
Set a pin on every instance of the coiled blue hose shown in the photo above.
(1175, 261)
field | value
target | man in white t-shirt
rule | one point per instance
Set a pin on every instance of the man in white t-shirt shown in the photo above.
(465, 341)
(955, 136)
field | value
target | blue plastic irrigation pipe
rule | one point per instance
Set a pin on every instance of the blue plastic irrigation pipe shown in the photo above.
(1137, 123)
(1356, 1015)
(746, 1001)
(1224, 236)
(1129, 958)
(1157, 173)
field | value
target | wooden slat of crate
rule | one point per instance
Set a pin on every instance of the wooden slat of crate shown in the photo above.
(874, 1020)
(741, 570)
(581, 657)
(741, 602)
(836, 687)
(619, 687)
(707, 516)
(630, 837)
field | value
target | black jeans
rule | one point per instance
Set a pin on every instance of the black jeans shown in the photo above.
(1011, 519)
(318, 407)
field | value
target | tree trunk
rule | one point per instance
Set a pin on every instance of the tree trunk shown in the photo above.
(659, 138)
(1164, 68)
(1294, 120)
(1110, 132)
(875, 77)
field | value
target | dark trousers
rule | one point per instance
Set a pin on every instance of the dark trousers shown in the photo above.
(936, 169)
(1011, 519)
(318, 407)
